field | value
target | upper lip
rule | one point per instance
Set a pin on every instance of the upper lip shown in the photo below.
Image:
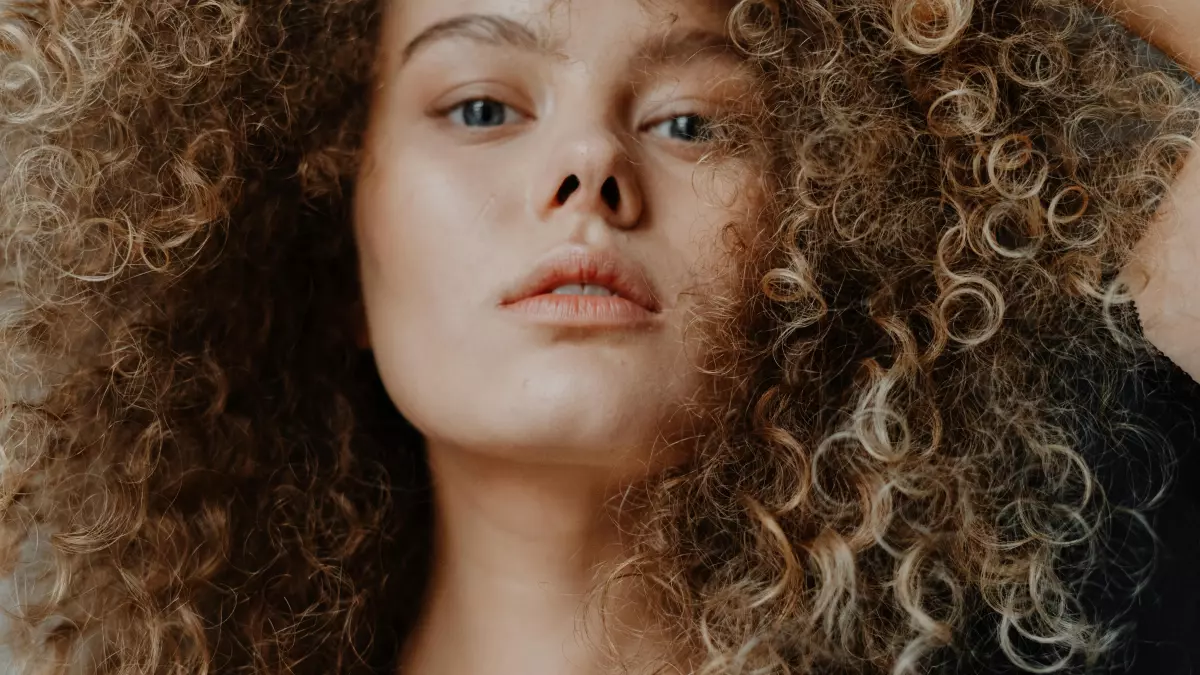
(577, 265)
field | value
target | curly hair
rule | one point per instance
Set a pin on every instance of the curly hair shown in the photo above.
(904, 460)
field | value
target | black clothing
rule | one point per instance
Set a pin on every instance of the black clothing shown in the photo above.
(1167, 614)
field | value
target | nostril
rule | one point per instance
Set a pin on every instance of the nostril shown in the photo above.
(610, 192)
(568, 187)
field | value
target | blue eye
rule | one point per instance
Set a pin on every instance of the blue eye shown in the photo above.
(482, 112)
(687, 128)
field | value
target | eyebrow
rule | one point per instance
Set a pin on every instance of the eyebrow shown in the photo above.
(497, 30)
(491, 29)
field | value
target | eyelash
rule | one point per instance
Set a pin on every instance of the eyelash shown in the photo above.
(461, 109)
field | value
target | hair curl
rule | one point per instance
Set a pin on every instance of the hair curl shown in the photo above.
(908, 456)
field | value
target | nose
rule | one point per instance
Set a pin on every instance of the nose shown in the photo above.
(594, 175)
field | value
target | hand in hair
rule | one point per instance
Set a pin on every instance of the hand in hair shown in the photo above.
(1165, 273)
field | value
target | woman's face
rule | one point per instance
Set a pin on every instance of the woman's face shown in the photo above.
(517, 147)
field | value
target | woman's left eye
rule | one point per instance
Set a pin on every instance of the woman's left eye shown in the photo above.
(687, 128)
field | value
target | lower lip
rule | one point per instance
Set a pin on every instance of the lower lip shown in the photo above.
(582, 310)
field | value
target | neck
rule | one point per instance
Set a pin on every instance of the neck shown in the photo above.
(517, 548)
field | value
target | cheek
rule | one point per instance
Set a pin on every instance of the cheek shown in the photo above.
(420, 232)
(709, 229)
(422, 262)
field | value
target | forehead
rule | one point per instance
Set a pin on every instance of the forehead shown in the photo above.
(572, 27)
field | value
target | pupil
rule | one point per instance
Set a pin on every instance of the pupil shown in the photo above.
(483, 113)
(688, 127)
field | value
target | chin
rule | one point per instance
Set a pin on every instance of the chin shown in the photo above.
(588, 414)
(593, 404)
(575, 417)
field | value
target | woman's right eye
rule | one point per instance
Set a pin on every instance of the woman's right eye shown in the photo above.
(482, 112)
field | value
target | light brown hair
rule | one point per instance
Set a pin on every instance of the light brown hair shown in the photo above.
(898, 462)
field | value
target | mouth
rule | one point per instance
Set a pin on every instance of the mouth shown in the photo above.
(582, 287)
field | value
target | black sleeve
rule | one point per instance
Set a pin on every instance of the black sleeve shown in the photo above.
(1166, 616)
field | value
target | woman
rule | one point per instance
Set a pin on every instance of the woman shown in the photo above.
(529, 336)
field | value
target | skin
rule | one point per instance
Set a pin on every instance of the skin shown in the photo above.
(1164, 276)
(531, 428)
